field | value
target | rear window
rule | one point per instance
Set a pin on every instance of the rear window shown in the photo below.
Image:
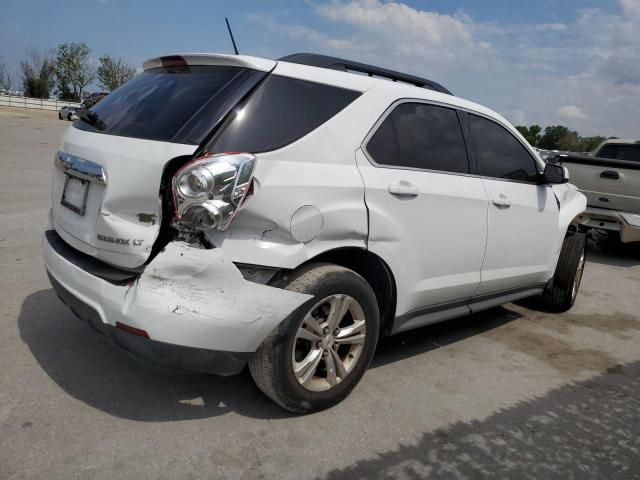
(621, 152)
(179, 106)
(418, 135)
(281, 111)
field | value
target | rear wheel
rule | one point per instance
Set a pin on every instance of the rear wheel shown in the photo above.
(318, 354)
(59, 115)
(561, 295)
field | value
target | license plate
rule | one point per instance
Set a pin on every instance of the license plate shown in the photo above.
(74, 195)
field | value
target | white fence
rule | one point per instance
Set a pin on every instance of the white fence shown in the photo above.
(39, 103)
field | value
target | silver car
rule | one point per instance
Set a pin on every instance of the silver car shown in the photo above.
(67, 113)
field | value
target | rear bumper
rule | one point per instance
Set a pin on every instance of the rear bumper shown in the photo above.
(197, 309)
(150, 352)
(627, 224)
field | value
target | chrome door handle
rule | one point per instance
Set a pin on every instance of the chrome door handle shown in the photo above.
(404, 190)
(502, 201)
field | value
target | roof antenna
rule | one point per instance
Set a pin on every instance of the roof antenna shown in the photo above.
(235, 49)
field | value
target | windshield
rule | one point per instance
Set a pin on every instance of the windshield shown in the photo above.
(172, 106)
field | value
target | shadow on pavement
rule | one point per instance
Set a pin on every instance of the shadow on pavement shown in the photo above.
(422, 340)
(609, 250)
(85, 365)
(587, 430)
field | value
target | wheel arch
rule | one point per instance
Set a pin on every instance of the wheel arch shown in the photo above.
(572, 203)
(373, 269)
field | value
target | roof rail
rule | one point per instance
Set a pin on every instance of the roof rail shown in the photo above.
(334, 63)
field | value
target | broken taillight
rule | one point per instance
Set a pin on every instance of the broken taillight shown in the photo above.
(208, 191)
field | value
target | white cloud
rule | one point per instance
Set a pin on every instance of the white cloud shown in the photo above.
(402, 33)
(584, 72)
(553, 27)
(517, 117)
(631, 6)
(571, 112)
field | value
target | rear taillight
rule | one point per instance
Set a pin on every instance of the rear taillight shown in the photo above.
(208, 191)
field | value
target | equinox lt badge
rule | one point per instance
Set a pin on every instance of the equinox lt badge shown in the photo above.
(119, 241)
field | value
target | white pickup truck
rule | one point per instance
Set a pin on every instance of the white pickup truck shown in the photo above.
(610, 179)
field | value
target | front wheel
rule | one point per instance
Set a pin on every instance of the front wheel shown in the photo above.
(318, 354)
(561, 294)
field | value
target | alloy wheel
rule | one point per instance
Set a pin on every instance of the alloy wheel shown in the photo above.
(329, 342)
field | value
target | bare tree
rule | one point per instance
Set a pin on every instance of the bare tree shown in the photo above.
(37, 73)
(6, 77)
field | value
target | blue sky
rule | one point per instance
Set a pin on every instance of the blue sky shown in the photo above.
(562, 61)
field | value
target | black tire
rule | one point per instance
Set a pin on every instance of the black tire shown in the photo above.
(272, 366)
(561, 294)
(59, 115)
(69, 117)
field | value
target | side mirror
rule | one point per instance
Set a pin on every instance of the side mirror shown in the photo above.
(554, 173)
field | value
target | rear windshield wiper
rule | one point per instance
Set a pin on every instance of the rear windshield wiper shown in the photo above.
(91, 118)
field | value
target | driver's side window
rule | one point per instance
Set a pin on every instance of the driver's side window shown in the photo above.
(499, 154)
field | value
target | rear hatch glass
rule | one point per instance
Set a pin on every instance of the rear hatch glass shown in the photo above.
(179, 105)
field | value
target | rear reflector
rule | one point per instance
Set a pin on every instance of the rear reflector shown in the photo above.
(135, 331)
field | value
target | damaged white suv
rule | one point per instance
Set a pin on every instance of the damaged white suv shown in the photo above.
(218, 211)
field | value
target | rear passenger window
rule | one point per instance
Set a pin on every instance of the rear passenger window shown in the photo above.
(498, 153)
(281, 111)
(421, 136)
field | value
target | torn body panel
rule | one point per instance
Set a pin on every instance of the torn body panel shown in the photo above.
(122, 216)
(302, 206)
(186, 296)
(571, 204)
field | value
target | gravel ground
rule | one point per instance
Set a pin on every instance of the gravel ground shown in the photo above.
(507, 393)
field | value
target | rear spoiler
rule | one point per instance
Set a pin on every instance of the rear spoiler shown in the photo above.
(243, 61)
(595, 161)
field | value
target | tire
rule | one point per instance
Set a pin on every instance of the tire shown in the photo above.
(69, 117)
(272, 365)
(59, 115)
(561, 294)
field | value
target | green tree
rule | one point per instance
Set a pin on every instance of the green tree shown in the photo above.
(552, 136)
(559, 137)
(113, 72)
(531, 134)
(37, 73)
(590, 143)
(74, 69)
(570, 141)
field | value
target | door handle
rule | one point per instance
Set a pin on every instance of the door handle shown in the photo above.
(404, 189)
(610, 174)
(502, 201)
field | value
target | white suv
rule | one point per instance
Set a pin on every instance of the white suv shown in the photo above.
(218, 211)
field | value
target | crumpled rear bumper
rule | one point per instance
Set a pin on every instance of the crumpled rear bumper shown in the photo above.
(197, 309)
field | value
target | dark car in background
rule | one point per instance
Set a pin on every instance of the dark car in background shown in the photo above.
(94, 98)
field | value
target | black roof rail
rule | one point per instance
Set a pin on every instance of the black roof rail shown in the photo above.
(334, 63)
